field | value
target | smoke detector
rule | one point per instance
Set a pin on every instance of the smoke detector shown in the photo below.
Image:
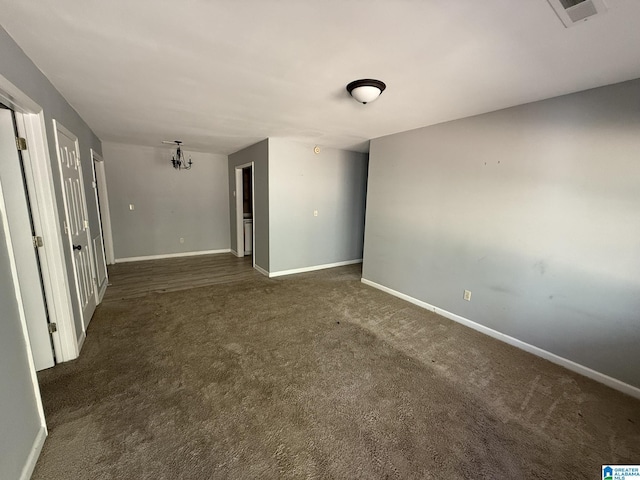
(572, 12)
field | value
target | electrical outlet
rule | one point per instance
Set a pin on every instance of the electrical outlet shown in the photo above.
(467, 295)
(315, 213)
(181, 240)
(131, 207)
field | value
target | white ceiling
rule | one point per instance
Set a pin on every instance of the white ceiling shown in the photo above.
(223, 74)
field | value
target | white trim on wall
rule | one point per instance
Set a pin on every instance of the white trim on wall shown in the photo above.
(539, 352)
(313, 268)
(261, 270)
(171, 255)
(36, 448)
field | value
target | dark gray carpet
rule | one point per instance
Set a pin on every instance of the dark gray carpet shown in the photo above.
(317, 376)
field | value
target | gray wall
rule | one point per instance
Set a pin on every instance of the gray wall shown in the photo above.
(19, 417)
(16, 67)
(332, 182)
(534, 209)
(168, 204)
(258, 153)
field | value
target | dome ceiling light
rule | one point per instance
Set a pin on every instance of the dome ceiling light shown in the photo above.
(366, 90)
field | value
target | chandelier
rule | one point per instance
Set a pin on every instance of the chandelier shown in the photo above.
(178, 160)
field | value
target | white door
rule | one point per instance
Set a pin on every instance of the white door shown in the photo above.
(99, 250)
(103, 203)
(20, 226)
(77, 222)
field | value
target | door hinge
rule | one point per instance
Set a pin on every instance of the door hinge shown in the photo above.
(86, 224)
(21, 143)
(53, 327)
(37, 242)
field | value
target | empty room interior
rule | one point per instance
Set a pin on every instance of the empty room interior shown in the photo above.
(337, 239)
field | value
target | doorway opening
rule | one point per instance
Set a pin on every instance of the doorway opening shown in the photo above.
(245, 208)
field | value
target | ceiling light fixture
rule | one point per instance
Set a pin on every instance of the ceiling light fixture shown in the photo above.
(178, 160)
(366, 90)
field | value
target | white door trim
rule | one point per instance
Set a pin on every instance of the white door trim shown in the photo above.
(100, 178)
(23, 223)
(31, 124)
(58, 127)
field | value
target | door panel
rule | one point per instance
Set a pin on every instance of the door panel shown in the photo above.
(24, 252)
(77, 221)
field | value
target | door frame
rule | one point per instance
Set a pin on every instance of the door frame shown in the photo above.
(240, 211)
(17, 197)
(31, 125)
(100, 177)
(58, 127)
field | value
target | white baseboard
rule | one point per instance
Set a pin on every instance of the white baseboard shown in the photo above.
(261, 270)
(170, 255)
(314, 268)
(552, 357)
(235, 252)
(36, 448)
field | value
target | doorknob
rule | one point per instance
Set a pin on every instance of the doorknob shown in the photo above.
(77, 247)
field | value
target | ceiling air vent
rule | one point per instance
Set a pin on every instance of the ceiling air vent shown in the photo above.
(576, 11)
